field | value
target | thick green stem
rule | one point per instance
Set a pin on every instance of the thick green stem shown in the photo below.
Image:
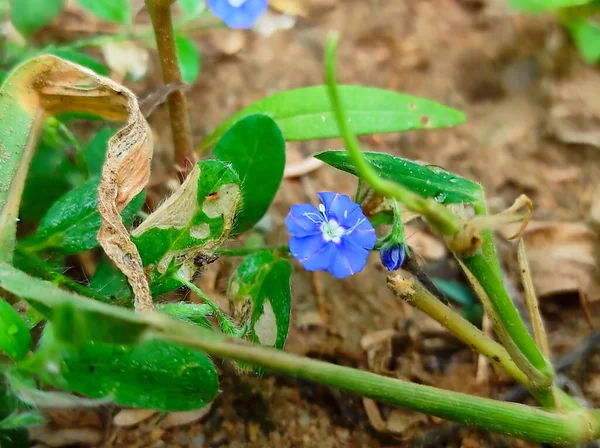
(242, 251)
(160, 13)
(442, 219)
(514, 419)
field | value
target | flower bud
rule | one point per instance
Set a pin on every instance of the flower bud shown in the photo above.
(392, 255)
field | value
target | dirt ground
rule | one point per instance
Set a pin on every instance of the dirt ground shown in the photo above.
(533, 127)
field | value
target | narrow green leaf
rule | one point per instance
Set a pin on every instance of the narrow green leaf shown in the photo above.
(118, 11)
(95, 152)
(261, 298)
(255, 148)
(80, 58)
(30, 15)
(22, 420)
(153, 375)
(544, 5)
(586, 34)
(103, 323)
(189, 59)
(72, 223)
(305, 114)
(15, 339)
(189, 226)
(428, 181)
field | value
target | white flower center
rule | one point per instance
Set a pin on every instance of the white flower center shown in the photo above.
(236, 3)
(332, 231)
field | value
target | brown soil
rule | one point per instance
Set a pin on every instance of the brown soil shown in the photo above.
(512, 75)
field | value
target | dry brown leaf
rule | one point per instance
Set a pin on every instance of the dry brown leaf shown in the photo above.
(293, 7)
(66, 437)
(561, 256)
(185, 417)
(131, 417)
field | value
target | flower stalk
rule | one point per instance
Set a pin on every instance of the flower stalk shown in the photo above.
(162, 22)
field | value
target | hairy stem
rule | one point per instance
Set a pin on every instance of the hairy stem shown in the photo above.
(446, 222)
(514, 419)
(160, 14)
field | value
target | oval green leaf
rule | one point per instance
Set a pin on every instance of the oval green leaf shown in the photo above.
(305, 114)
(118, 11)
(261, 298)
(255, 148)
(15, 339)
(30, 15)
(544, 5)
(428, 181)
(153, 375)
(71, 225)
(189, 59)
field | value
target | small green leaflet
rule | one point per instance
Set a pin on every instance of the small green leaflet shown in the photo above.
(255, 148)
(260, 297)
(189, 59)
(72, 223)
(429, 181)
(30, 15)
(192, 8)
(586, 34)
(15, 339)
(193, 313)
(118, 11)
(544, 5)
(152, 375)
(190, 225)
(109, 281)
(305, 114)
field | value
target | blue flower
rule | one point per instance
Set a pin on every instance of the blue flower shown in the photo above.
(240, 14)
(392, 255)
(336, 237)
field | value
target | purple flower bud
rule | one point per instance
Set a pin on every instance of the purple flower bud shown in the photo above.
(336, 237)
(239, 14)
(392, 255)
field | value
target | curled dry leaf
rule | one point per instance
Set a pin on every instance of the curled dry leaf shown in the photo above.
(561, 256)
(174, 419)
(131, 417)
(50, 85)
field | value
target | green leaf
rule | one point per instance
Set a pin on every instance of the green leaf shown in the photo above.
(305, 114)
(95, 152)
(255, 148)
(428, 181)
(190, 225)
(153, 375)
(189, 59)
(72, 223)
(464, 296)
(192, 8)
(50, 176)
(109, 281)
(29, 16)
(188, 312)
(80, 58)
(22, 420)
(586, 34)
(260, 294)
(15, 339)
(118, 11)
(103, 323)
(544, 5)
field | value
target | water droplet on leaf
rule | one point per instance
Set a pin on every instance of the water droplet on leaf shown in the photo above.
(440, 196)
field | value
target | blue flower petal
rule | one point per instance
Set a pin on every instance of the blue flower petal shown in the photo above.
(363, 233)
(349, 259)
(337, 205)
(313, 252)
(240, 17)
(299, 224)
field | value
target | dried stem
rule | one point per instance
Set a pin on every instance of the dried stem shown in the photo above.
(160, 13)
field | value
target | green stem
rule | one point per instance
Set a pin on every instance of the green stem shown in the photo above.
(225, 323)
(242, 251)
(485, 267)
(160, 14)
(47, 272)
(446, 222)
(514, 419)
